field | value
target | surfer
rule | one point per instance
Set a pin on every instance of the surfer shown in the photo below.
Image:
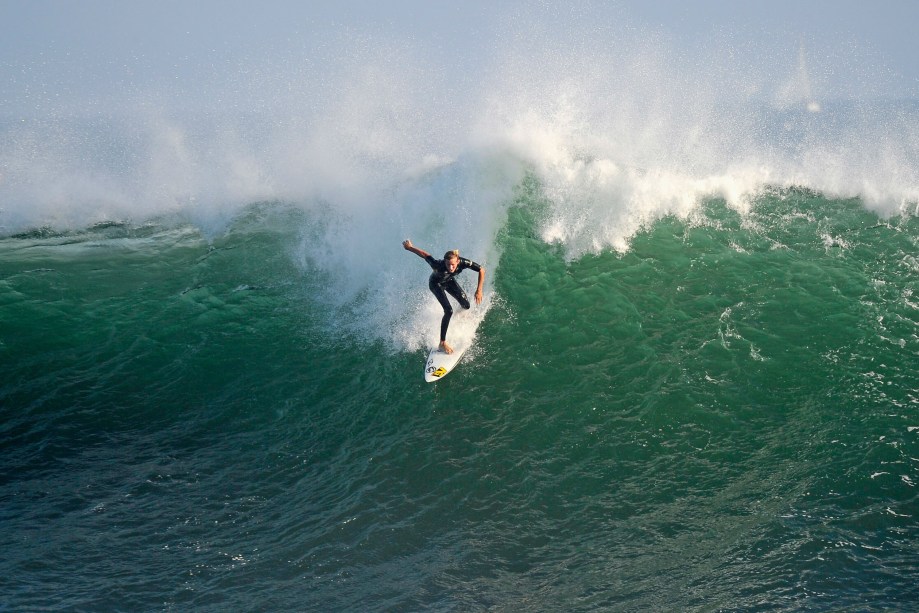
(442, 282)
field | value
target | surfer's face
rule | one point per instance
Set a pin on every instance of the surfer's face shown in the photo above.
(452, 263)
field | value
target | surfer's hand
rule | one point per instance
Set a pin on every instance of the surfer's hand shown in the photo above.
(407, 244)
(478, 296)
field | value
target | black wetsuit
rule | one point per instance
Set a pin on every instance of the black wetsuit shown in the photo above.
(442, 282)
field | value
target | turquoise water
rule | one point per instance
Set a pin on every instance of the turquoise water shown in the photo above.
(722, 416)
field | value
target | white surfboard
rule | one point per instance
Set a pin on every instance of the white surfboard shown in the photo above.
(440, 364)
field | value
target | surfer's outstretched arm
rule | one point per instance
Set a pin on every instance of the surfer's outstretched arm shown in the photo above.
(478, 290)
(407, 244)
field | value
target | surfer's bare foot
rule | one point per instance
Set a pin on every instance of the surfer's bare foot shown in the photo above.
(445, 347)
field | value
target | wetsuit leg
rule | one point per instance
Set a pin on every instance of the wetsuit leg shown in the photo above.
(441, 296)
(457, 292)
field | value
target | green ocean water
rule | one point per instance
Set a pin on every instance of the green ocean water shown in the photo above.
(722, 417)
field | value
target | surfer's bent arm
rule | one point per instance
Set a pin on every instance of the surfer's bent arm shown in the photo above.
(410, 247)
(478, 290)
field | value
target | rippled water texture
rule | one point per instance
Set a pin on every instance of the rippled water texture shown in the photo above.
(722, 417)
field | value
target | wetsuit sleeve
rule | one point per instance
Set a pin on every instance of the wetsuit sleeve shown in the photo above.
(432, 262)
(464, 263)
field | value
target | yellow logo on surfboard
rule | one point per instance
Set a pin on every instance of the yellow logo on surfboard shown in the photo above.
(440, 372)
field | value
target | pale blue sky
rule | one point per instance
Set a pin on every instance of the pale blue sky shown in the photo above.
(89, 50)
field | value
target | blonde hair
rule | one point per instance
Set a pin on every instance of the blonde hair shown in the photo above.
(453, 253)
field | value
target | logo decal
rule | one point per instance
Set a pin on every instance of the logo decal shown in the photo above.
(440, 372)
